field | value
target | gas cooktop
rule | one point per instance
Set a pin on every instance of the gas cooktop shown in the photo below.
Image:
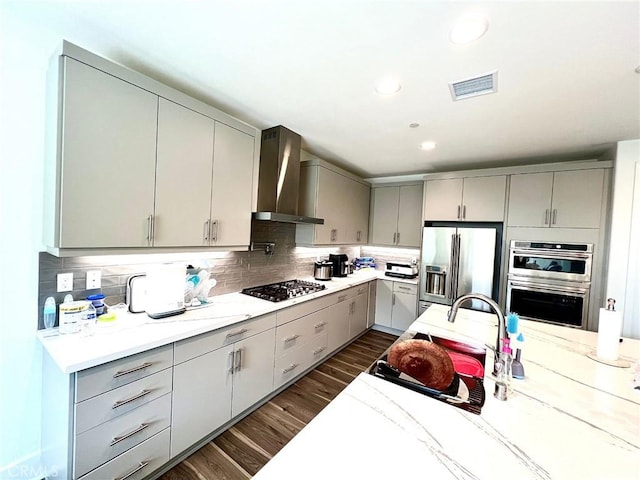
(277, 292)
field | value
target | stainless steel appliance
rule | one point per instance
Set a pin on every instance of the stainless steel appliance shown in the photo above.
(322, 270)
(459, 258)
(401, 270)
(550, 282)
(279, 177)
(277, 292)
(340, 264)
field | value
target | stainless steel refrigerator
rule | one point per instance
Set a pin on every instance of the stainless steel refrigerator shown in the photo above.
(459, 258)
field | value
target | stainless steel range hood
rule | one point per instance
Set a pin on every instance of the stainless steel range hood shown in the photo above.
(279, 177)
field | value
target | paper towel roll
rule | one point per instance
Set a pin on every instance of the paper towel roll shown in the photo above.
(609, 329)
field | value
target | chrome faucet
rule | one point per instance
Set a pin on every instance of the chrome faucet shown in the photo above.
(502, 328)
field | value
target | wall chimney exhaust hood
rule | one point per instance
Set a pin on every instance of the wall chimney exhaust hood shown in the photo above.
(279, 177)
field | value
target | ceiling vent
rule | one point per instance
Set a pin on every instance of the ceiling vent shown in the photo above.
(472, 87)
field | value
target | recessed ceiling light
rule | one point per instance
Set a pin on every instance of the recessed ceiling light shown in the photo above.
(428, 145)
(468, 28)
(388, 86)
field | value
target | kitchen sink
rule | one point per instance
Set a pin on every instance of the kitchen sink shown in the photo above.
(467, 389)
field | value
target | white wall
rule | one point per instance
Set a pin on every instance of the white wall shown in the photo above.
(623, 280)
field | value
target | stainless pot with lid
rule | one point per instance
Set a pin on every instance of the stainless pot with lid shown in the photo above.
(323, 270)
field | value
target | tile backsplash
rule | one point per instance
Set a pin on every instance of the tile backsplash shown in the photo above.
(232, 270)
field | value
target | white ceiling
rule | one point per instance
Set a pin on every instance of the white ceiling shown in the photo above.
(567, 86)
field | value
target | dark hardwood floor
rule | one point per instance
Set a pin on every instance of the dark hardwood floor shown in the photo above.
(241, 451)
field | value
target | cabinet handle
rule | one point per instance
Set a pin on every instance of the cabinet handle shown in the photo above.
(398, 238)
(207, 229)
(134, 471)
(214, 231)
(132, 370)
(362, 290)
(342, 298)
(555, 215)
(319, 325)
(334, 234)
(239, 332)
(232, 361)
(130, 434)
(358, 236)
(238, 361)
(120, 403)
(464, 212)
(290, 368)
(393, 299)
(546, 217)
(458, 217)
(394, 237)
(291, 338)
(149, 229)
(319, 350)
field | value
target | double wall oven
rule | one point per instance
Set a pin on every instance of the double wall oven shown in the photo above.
(550, 282)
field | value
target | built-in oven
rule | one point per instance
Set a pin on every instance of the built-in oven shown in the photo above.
(550, 282)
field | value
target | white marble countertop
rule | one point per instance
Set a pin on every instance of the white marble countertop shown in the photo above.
(570, 418)
(135, 333)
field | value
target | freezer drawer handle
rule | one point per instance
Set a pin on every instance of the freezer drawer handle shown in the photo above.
(132, 370)
(290, 368)
(130, 434)
(120, 403)
(134, 471)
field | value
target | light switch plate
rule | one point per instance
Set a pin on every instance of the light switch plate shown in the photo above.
(94, 278)
(65, 282)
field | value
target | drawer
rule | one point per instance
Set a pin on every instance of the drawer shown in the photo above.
(108, 440)
(136, 463)
(100, 379)
(291, 364)
(399, 287)
(116, 402)
(299, 332)
(305, 308)
(208, 342)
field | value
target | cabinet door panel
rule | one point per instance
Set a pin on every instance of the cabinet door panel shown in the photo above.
(183, 176)
(109, 139)
(483, 198)
(232, 186)
(404, 310)
(384, 291)
(530, 200)
(358, 322)
(577, 198)
(329, 205)
(385, 215)
(358, 202)
(338, 316)
(410, 216)
(201, 397)
(443, 199)
(254, 378)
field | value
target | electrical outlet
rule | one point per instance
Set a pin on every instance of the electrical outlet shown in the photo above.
(94, 279)
(65, 282)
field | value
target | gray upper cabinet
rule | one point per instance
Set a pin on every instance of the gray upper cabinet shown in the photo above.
(338, 197)
(183, 176)
(564, 199)
(135, 164)
(466, 199)
(396, 215)
(105, 160)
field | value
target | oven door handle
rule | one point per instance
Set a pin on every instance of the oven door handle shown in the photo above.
(552, 254)
(542, 287)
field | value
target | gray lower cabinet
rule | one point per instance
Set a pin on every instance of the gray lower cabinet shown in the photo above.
(217, 376)
(396, 304)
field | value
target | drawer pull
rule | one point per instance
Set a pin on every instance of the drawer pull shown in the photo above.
(292, 367)
(120, 403)
(132, 370)
(291, 338)
(130, 434)
(319, 325)
(134, 471)
(342, 298)
(362, 290)
(400, 287)
(319, 350)
(239, 332)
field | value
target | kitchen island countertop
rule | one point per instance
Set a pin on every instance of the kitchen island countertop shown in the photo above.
(135, 333)
(571, 417)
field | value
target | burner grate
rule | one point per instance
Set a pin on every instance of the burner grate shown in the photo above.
(280, 291)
